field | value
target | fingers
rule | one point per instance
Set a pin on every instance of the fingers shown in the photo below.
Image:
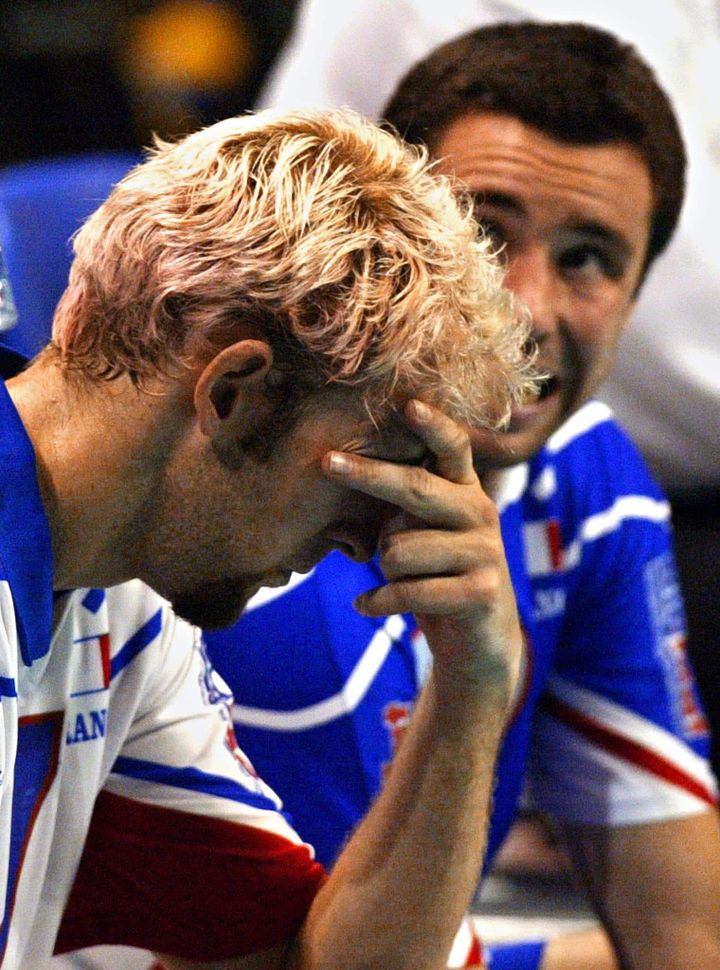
(425, 552)
(441, 552)
(445, 439)
(449, 596)
(437, 571)
(419, 491)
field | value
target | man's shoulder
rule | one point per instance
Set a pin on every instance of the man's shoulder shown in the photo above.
(130, 616)
(589, 482)
(587, 428)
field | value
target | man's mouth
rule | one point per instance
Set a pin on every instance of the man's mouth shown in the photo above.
(548, 387)
(548, 390)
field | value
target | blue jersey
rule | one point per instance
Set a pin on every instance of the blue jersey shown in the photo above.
(608, 727)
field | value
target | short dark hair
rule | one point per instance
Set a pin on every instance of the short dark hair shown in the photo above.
(574, 82)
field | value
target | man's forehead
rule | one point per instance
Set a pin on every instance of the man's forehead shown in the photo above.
(384, 433)
(503, 158)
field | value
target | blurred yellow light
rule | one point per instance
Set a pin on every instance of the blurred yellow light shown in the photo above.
(188, 43)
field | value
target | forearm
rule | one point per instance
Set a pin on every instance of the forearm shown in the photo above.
(673, 944)
(399, 890)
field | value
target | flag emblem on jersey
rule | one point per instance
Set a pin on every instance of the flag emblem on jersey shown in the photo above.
(668, 617)
(543, 547)
(214, 689)
(93, 671)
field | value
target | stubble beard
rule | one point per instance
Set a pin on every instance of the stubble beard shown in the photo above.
(214, 605)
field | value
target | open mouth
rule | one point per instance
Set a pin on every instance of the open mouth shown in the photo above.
(548, 387)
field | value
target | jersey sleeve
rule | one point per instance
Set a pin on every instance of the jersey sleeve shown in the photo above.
(188, 851)
(620, 736)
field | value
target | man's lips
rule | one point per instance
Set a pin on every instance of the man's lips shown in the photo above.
(550, 389)
(549, 386)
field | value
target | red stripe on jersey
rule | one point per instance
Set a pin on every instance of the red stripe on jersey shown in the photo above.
(184, 884)
(554, 543)
(627, 749)
(105, 658)
(475, 956)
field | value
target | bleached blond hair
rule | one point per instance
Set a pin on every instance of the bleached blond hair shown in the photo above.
(316, 231)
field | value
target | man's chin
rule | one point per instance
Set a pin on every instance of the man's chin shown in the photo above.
(520, 442)
(213, 607)
(503, 449)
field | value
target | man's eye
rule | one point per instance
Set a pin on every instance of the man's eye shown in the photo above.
(591, 261)
(494, 231)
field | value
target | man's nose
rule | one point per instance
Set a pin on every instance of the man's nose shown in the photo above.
(532, 276)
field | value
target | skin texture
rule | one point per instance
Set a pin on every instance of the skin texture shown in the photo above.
(586, 949)
(655, 887)
(572, 222)
(409, 871)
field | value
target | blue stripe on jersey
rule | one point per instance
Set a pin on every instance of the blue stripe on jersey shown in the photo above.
(136, 644)
(93, 599)
(7, 687)
(25, 552)
(192, 779)
(524, 955)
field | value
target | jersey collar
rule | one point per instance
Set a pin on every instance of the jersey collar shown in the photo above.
(25, 550)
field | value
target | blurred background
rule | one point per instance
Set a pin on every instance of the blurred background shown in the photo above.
(97, 75)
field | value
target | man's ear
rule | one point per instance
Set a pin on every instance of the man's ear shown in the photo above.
(229, 394)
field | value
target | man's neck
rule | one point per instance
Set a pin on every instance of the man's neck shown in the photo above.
(100, 450)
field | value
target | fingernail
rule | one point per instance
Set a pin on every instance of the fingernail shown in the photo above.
(422, 411)
(338, 464)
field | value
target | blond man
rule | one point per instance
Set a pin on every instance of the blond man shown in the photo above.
(255, 362)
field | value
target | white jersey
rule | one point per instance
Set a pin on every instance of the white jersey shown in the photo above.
(123, 791)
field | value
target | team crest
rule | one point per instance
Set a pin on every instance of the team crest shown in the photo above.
(216, 693)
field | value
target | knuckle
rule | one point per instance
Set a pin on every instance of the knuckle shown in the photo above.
(458, 438)
(453, 441)
(391, 551)
(485, 586)
(487, 509)
(419, 484)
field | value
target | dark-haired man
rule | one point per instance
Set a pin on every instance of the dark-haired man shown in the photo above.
(575, 162)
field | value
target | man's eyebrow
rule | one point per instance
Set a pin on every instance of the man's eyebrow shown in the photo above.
(599, 230)
(498, 200)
